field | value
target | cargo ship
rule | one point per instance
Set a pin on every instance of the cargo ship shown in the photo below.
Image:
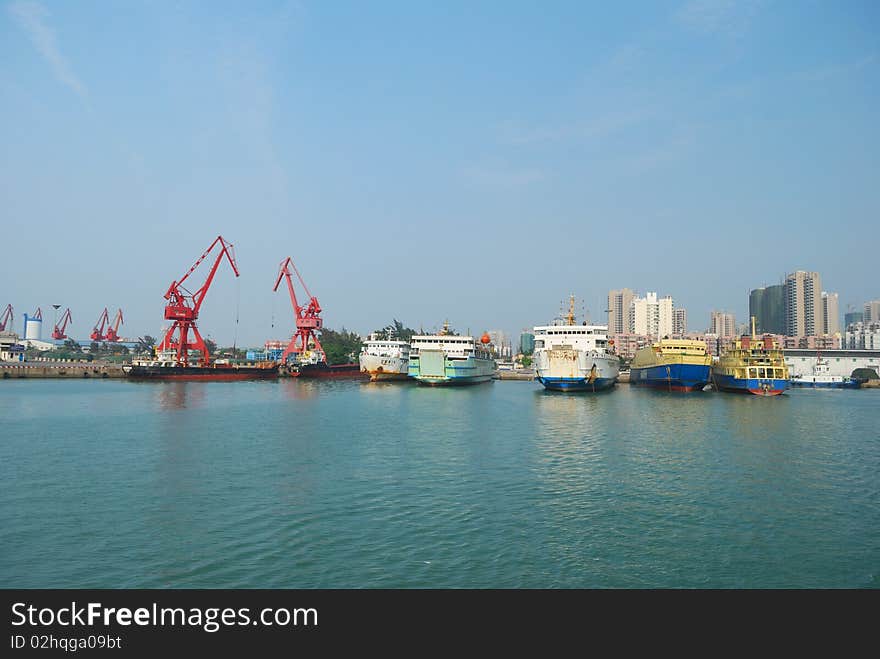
(822, 378)
(449, 359)
(752, 365)
(313, 364)
(672, 365)
(385, 359)
(165, 367)
(570, 357)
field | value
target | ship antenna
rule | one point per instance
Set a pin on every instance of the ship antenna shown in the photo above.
(571, 309)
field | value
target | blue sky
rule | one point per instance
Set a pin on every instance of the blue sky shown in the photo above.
(476, 161)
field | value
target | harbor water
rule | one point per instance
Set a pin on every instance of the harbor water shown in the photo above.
(340, 484)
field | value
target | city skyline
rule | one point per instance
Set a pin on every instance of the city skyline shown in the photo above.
(471, 162)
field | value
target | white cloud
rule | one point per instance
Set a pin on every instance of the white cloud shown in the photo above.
(32, 17)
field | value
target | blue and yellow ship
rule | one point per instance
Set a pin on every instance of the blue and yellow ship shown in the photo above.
(754, 365)
(672, 365)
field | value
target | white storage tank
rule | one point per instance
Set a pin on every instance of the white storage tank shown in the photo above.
(33, 328)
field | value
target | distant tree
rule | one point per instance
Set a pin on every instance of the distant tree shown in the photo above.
(526, 361)
(72, 346)
(340, 347)
(94, 348)
(395, 332)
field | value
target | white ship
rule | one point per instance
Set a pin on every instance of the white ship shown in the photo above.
(385, 359)
(447, 358)
(822, 377)
(570, 357)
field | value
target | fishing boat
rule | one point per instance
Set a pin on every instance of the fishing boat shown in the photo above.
(165, 366)
(752, 365)
(449, 359)
(672, 365)
(571, 357)
(385, 359)
(821, 377)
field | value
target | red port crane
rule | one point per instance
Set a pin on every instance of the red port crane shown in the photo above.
(5, 318)
(113, 329)
(98, 333)
(58, 332)
(308, 317)
(183, 308)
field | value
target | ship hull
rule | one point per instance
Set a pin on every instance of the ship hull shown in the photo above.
(322, 370)
(757, 386)
(380, 368)
(201, 373)
(434, 368)
(576, 384)
(845, 384)
(671, 377)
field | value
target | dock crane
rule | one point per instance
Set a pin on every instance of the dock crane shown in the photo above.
(183, 308)
(308, 317)
(58, 332)
(113, 329)
(98, 333)
(6, 317)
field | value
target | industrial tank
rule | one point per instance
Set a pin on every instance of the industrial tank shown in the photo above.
(33, 328)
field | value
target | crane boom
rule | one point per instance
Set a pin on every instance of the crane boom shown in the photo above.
(308, 318)
(183, 307)
(6, 317)
(59, 332)
(98, 332)
(113, 329)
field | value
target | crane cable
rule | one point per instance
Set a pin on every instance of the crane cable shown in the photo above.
(237, 305)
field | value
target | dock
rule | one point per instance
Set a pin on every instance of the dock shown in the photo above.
(63, 368)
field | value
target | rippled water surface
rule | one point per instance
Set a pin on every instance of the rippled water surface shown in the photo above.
(346, 484)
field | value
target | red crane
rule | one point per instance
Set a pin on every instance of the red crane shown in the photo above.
(58, 332)
(38, 315)
(183, 308)
(98, 333)
(308, 318)
(5, 318)
(113, 329)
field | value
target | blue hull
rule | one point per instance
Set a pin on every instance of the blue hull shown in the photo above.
(846, 384)
(758, 386)
(576, 384)
(671, 377)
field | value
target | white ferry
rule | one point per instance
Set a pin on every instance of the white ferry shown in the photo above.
(571, 357)
(446, 358)
(385, 359)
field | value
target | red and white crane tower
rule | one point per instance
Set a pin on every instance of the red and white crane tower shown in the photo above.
(113, 329)
(58, 332)
(98, 332)
(6, 317)
(308, 317)
(183, 308)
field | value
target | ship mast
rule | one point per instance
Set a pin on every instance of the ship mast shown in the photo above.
(570, 316)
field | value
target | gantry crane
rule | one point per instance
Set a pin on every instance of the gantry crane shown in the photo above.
(6, 317)
(113, 329)
(183, 308)
(58, 332)
(98, 333)
(308, 317)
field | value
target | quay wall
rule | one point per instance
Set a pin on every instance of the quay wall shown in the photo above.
(69, 369)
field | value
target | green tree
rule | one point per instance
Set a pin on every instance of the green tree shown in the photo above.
(526, 361)
(340, 347)
(395, 332)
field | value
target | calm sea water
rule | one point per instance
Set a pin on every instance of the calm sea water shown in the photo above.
(113, 484)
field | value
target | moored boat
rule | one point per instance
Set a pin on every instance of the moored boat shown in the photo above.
(672, 365)
(449, 359)
(752, 365)
(385, 359)
(165, 367)
(571, 357)
(822, 378)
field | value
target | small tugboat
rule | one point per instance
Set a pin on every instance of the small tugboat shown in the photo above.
(449, 359)
(822, 378)
(570, 357)
(752, 365)
(672, 365)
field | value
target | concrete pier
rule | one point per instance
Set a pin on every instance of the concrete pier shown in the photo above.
(69, 369)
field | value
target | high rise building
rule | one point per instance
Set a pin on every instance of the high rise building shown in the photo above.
(650, 316)
(526, 342)
(722, 324)
(767, 305)
(618, 311)
(872, 312)
(679, 321)
(803, 304)
(830, 313)
(853, 317)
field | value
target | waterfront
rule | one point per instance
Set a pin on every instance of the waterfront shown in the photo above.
(302, 484)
